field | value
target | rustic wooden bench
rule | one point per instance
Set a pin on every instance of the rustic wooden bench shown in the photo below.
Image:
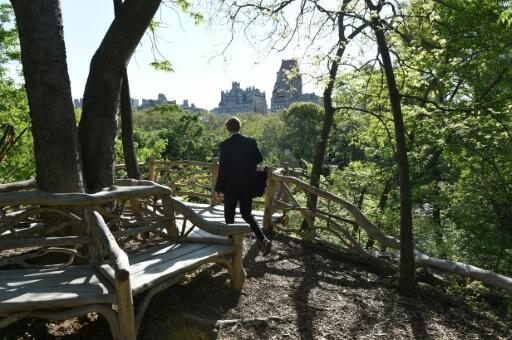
(65, 255)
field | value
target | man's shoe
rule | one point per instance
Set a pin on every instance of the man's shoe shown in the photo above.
(266, 247)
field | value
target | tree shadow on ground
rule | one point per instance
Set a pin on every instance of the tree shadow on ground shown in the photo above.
(418, 325)
(189, 310)
(306, 313)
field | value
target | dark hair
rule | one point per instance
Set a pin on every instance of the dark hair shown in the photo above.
(233, 124)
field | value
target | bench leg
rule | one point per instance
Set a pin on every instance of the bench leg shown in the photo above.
(238, 277)
(125, 310)
(228, 264)
(143, 305)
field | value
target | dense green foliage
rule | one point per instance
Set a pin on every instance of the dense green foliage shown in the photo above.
(168, 132)
(302, 124)
(454, 77)
(18, 164)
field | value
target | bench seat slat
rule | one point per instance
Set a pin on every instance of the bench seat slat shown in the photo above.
(197, 232)
(147, 257)
(44, 242)
(171, 266)
(171, 250)
(160, 258)
(64, 273)
(161, 262)
(158, 261)
(41, 289)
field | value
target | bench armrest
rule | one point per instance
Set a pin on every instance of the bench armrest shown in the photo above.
(209, 226)
(100, 231)
(129, 189)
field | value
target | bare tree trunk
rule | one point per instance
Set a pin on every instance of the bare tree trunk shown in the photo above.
(329, 110)
(98, 123)
(503, 212)
(130, 157)
(436, 208)
(408, 284)
(43, 56)
(380, 208)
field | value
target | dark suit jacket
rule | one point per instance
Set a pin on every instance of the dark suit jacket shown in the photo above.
(238, 158)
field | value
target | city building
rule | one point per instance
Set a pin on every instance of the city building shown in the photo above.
(237, 100)
(78, 102)
(135, 103)
(192, 107)
(288, 87)
(145, 103)
(162, 100)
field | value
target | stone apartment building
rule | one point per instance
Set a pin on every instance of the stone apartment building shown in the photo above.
(237, 100)
(288, 87)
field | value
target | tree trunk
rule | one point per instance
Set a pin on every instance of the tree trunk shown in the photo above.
(98, 123)
(130, 158)
(329, 111)
(436, 206)
(43, 56)
(408, 284)
(380, 208)
(504, 214)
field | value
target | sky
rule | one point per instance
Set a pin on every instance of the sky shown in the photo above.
(198, 76)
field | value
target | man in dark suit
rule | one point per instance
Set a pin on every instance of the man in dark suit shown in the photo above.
(239, 156)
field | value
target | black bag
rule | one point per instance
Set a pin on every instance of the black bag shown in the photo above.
(260, 182)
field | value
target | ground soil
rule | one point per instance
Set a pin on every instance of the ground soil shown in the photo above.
(299, 293)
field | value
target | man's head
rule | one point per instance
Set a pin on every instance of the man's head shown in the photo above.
(233, 125)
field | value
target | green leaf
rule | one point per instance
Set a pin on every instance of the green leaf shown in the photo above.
(162, 65)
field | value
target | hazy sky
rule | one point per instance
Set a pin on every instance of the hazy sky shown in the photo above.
(198, 76)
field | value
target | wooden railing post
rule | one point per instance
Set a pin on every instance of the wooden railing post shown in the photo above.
(286, 167)
(286, 171)
(267, 213)
(150, 162)
(308, 226)
(281, 194)
(215, 173)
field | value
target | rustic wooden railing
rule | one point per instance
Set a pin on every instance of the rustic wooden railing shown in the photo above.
(194, 180)
(191, 179)
(335, 222)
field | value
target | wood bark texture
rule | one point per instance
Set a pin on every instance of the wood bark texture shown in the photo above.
(408, 282)
(43, 56)
(98, 125)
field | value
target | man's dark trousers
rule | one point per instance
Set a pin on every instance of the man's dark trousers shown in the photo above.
(245, 200)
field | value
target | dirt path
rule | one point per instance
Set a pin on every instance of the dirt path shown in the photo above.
(300, 294)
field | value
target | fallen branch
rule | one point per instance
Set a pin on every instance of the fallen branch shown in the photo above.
(256, 320)
(229, 322)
